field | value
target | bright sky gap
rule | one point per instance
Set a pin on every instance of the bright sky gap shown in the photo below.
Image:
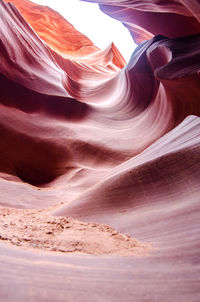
(97, 26)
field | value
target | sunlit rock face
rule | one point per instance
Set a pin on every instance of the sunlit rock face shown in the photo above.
(112, 145)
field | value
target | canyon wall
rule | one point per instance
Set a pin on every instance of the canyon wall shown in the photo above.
(113, 145)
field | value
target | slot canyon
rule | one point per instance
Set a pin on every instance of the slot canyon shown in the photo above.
(99, 157)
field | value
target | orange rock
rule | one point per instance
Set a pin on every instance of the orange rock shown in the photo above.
(116, 149)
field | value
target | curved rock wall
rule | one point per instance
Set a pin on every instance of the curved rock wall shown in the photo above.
(110, 145)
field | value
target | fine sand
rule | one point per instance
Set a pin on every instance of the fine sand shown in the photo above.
(37, 229)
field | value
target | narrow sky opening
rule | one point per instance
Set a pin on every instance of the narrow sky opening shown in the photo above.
(97, 26)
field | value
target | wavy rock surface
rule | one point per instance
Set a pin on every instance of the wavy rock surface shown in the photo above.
(92, 150)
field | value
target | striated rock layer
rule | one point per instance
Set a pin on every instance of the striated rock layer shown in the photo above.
(95, 153)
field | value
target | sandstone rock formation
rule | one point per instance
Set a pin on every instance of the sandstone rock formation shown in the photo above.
(95, 153)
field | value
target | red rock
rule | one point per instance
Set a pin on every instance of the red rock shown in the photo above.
(117, 149)
(58, 33)
(146, 18)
